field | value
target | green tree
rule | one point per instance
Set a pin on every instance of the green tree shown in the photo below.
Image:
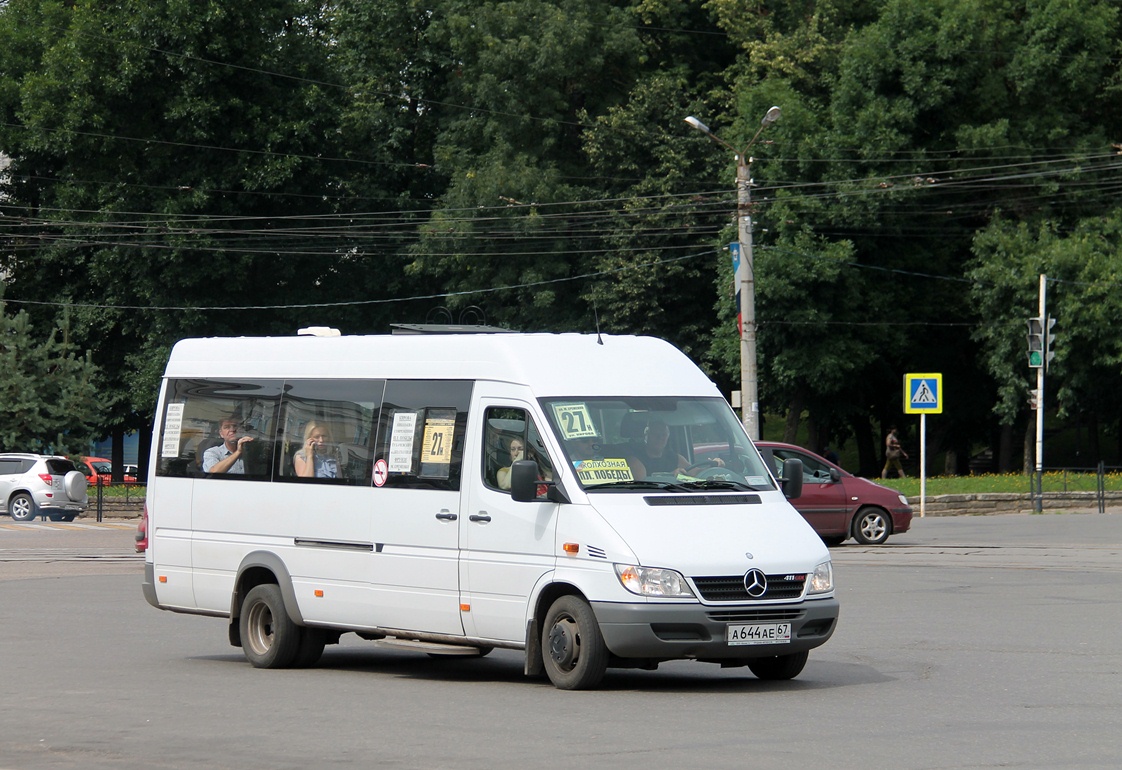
(50, 397)
(1083, 282)
(165, 157)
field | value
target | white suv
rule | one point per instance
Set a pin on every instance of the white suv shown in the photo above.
(41, 485)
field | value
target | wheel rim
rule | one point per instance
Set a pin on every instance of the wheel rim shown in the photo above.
(873, 526)
(564, 644)
(21, 508)
(260, 628)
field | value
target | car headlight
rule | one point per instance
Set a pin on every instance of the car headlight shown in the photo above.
(903, 500)
(648, 581)
(822, 579)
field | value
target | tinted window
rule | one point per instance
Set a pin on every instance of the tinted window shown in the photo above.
(420, 432)
(60, 467)
(327, 430)
(10, 467)
(512, 435)
(193, 416)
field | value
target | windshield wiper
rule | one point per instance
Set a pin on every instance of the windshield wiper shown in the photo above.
(718, 484)
(637, 484)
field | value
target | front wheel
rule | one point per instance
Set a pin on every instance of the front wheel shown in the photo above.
(573, 648)
(871, 526)
(779, 667)
(22, 507)
(269, 637)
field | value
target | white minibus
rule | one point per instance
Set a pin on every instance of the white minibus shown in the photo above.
(589, 500)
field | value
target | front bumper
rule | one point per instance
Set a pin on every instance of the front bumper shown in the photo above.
(694, 631)
(901, 520)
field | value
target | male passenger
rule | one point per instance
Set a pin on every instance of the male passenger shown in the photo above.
(227, 456)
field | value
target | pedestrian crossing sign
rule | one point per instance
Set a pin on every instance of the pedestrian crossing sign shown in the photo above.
(923, 393)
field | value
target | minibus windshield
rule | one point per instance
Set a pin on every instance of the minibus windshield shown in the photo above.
(644, 443)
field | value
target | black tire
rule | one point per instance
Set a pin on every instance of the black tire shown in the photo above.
(779, 667)
(832, 540)
(573, 648)
(22, 507)
(312, 642)
(871, 526)
(68, 516)
(269, 637)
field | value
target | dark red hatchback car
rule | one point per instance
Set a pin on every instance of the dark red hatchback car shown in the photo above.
(838, 504)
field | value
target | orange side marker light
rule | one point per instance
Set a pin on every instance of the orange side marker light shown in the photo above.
(571, 548)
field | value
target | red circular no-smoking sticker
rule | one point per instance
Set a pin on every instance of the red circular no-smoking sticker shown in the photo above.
(381, 472)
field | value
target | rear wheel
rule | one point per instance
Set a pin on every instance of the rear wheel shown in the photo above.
(871, 526)
(269, 637)
(22, 507)
(779, 667)
(573, 648)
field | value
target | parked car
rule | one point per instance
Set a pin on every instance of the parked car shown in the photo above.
(99, 470)
(838, 504)
(41, 485)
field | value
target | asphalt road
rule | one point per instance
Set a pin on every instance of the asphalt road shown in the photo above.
(970, 642)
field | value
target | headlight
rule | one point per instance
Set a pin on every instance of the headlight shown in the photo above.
(903, 500)
(648, 581)
(822, 580)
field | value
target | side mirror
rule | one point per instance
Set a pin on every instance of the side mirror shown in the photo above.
(835, 475)
(524, 484)
(792, 481)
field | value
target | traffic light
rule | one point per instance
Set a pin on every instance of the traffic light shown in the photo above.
(1040, 342)
(1036, 342)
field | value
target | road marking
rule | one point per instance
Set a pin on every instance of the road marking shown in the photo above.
(30, 526)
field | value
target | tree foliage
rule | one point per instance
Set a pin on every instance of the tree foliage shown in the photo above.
(50, 399)
(181, 170)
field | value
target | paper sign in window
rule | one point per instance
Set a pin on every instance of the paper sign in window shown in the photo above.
(173, 428)
(401, 442)
(574, 420)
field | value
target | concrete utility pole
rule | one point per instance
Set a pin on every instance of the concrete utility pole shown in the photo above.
(745, 277)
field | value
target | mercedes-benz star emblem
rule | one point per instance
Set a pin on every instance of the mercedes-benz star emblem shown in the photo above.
(755, 583)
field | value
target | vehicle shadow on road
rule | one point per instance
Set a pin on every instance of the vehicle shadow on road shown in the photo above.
(506, 666)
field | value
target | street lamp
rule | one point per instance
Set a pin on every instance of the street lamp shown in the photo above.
(745, 279)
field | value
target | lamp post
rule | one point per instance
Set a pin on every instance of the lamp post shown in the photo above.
(745, 278)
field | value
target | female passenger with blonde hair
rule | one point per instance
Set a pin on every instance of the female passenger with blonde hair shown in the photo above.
(315, 458)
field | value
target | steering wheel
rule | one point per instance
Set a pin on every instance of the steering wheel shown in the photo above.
(721, 474)
(701, 466)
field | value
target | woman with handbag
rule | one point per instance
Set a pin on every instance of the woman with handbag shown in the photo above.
(893, 453)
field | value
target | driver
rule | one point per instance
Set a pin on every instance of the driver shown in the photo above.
(655, 453)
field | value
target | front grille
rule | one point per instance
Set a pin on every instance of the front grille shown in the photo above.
(754, 616)
(731, 589)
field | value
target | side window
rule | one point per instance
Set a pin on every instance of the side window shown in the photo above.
(512, 435)
(420, 432)
(9, 467)
(203, 419)
(326, 431)
(814, 472)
